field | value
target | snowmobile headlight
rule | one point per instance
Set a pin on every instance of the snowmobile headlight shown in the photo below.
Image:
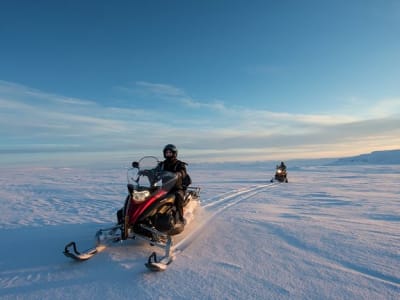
(279, 171)
(140, 196)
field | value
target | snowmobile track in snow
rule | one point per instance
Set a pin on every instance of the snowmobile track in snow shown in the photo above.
(232, 197)
(218, 204)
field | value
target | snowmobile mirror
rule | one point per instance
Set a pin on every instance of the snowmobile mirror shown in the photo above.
(135, 164)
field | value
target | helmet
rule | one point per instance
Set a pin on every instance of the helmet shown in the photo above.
(171, 148)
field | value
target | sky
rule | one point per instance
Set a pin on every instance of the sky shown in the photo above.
(222, 80)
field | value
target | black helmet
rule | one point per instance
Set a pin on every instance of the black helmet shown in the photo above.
(171, 148)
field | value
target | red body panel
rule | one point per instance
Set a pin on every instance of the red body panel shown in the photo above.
(136, 210)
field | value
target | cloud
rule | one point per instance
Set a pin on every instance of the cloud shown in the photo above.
(161, 90)
(385, 107)
(372, 109)
(173, 94)
(26, 93)
(234, 113)
(33, 120)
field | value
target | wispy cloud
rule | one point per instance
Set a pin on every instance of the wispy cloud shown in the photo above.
(165, 91)
(385, 107)
(173, 94)
(32, 119)
(160, 90)
(18, 90)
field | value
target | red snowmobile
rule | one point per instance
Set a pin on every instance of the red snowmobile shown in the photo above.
(149, 213)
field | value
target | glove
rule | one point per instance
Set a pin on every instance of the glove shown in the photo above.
(178, 175)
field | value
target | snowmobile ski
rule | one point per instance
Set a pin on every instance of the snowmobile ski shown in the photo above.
(102, 237)
(81, 256)
(156, 266)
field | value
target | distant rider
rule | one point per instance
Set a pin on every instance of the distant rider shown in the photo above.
(282, 166)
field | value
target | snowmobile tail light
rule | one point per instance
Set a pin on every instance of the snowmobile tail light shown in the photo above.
(140, 196)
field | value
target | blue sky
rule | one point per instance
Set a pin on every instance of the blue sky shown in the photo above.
(223, 80)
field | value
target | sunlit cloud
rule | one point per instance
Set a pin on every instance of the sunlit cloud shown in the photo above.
(33, 120)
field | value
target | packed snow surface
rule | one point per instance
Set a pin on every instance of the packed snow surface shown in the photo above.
(332, 232)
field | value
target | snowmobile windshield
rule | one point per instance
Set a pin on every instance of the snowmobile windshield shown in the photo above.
(148, 163)
(144, 172)
(149, 175)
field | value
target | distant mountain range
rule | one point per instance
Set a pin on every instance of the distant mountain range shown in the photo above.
(376, 157)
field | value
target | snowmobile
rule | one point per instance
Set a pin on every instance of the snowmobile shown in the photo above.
(149, 213)
(280, 175)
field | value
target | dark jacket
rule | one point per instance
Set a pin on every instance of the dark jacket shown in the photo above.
(176, 166)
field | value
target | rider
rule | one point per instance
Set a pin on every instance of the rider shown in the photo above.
(173, 164)
(282, 166)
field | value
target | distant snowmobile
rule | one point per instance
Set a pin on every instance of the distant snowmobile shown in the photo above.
(149, 213)
(280, 175)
